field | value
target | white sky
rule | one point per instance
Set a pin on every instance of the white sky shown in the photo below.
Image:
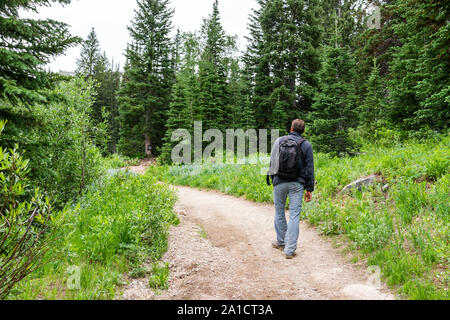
(110, 19)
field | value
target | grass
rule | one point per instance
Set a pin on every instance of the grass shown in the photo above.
(160, 275)
(117, 226)
(116, 161)
(404, 228)
(203, 234)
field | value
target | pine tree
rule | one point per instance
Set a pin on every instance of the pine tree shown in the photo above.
(101, 74)
(371, 111)
(183, 110)
(26, 45)
(26, 89)
(108, 89)
(419, 85)
(131, 109)
(334, 105)
(352, 20)
(375, 43)
(178, 118)
(94, 65)
(213, 99)
(191, 54)
(280, 100)
(91, 60)
(283, 60)
(241, 115)
(247, 116)
(148, 80)
(256, 73)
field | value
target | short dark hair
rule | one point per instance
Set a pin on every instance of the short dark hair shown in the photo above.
(298, 126)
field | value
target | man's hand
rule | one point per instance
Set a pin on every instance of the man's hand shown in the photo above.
(308, 196)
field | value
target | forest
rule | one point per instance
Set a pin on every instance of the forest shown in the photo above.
(375, 99)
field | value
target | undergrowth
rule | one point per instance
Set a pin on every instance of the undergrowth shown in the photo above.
(119, 225)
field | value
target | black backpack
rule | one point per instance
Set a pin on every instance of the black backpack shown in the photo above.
(290, 154)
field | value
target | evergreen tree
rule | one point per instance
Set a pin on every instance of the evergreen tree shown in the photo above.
(371, 111)
(214, 95)
(334, 105)
(26, 89)
(283, 60)
(109, 86)
(148, 80)
(26, 45)
(256, 73)
(352, 20)
(280, 100)
(241, 115)
(95, 65)
(178, 118)
(91, 60)
(375, 43)
(247, 116)
(419, 86)
(176, 54)
(183, 110)
(191, 54)
(130, 108)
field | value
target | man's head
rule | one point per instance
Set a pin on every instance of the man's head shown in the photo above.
(298, 126)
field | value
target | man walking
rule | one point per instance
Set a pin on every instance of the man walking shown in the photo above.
(291, 172)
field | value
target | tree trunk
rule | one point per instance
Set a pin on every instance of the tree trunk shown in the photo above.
(148, 152)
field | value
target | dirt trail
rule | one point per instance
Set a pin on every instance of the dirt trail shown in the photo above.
(222, 250)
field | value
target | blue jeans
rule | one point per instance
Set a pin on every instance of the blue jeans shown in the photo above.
(287, 234)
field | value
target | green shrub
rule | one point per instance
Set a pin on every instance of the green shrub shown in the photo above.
(58, 138)
(120, 223)
(26, 231)
(122, 210)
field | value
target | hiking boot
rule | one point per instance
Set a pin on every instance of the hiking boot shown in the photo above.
(291, 256)
(278, 246)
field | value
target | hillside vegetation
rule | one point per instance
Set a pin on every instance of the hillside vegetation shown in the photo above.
(400, 224)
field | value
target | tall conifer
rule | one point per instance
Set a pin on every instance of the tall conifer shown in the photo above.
(334, 105)
(26, 45)
(148, 79)
(283, 59)
(214, 99)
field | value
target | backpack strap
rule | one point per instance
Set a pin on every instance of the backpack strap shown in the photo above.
(300, 143)
(268, 182)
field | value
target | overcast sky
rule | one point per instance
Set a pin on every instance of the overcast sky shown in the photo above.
(111, 17)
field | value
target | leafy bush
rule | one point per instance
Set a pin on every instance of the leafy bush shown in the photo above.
(25, 236)
(121, 222)
(58, 139)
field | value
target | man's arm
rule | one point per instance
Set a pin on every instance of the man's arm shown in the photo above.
(309, 168)
(274, 158)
